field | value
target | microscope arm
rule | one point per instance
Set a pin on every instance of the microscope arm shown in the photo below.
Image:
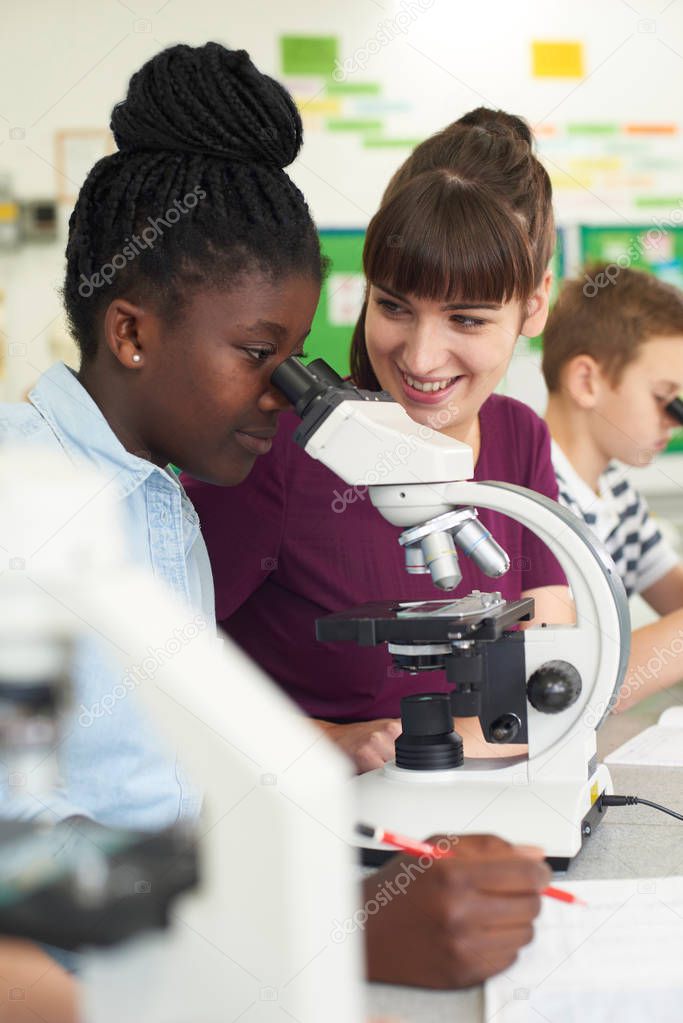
(598, 643)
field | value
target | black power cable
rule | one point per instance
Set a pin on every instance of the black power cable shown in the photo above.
(634, 800)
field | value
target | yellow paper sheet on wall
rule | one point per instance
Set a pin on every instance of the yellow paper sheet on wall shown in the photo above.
(557, 59)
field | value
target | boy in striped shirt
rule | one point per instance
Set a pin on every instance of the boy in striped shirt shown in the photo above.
(612, 362)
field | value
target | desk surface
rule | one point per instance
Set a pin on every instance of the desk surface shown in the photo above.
(632, 841)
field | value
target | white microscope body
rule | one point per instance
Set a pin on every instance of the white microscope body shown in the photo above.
(253, 941)
(416, 479)
(544, 797)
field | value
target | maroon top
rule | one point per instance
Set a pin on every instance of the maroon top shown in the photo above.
(286, 549)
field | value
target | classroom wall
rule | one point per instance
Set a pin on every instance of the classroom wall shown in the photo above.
(64, 64)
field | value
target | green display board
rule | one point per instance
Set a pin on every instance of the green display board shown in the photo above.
(557, 265)
(641, 248)
(344, 289)
(341, 298)
(656, 250)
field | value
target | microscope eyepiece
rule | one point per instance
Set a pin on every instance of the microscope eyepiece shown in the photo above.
(323, 371)
(675, 410)
(298, 384)
(301, 384)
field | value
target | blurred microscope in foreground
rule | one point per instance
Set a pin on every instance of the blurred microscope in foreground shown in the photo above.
(203, 924)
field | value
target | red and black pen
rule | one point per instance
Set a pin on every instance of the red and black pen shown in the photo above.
(417, 848)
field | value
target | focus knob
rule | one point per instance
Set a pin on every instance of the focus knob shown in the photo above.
(553, 687)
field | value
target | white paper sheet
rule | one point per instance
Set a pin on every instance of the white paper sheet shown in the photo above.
(661, 745)
(620, 958)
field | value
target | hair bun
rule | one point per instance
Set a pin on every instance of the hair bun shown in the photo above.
(498, 122)
(210, 100)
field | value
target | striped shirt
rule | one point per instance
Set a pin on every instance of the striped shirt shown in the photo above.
(619, 516)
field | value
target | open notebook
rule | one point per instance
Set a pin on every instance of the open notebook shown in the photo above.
(661, 745)
(618, 958)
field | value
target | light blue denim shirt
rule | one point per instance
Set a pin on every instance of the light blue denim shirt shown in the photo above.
(112, 763)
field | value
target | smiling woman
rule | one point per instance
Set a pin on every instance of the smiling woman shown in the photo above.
(437, 354)
(456, 261)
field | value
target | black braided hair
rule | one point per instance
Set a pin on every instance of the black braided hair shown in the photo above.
(196, 194)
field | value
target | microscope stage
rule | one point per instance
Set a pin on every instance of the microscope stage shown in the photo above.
(433, 621)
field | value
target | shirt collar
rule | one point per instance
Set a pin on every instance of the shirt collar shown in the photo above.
(85, 434)
(598, 509)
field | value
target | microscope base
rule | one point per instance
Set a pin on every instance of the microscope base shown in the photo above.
(482, 798)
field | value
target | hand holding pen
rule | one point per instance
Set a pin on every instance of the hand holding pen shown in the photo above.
(453, 921)
(417, 848)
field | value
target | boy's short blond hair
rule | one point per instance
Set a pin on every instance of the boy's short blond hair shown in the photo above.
(608, 314)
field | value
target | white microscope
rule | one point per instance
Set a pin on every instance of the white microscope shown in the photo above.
(548, 686)
(229, 920)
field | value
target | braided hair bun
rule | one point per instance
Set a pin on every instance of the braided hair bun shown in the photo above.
(208, 100)
(196, 194)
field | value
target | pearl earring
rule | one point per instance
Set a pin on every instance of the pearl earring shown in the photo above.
(136, 358)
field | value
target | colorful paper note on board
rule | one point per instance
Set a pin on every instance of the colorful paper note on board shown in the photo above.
(557, 59)
(345, 297)
(308, 55)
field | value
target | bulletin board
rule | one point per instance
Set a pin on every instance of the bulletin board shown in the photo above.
(344, 290)
(648, 247)
(558, 266)
(341, 299)
(77, 150)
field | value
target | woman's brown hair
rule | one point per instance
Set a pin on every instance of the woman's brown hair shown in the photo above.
(468, 215)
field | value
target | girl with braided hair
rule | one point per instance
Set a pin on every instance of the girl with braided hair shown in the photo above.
(193, 268)
(193, 271)
(195, 201)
